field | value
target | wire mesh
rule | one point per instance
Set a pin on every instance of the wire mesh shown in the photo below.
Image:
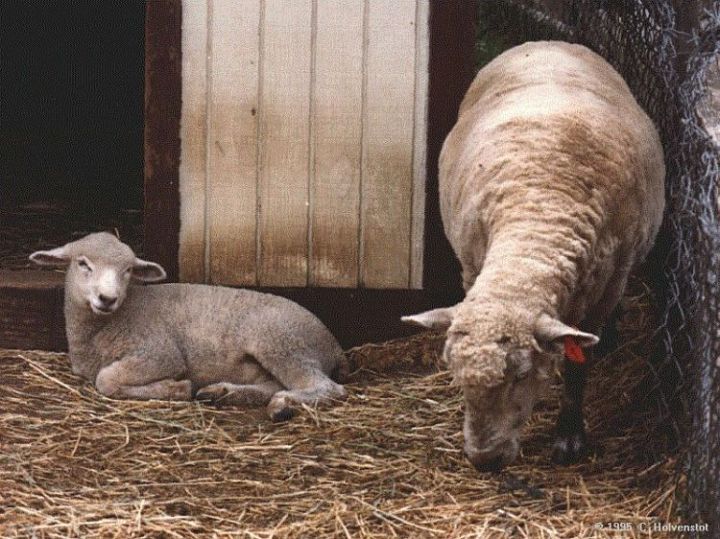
(664, 51)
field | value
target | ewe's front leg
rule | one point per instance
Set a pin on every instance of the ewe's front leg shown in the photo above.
(143, 379)
(570, 440)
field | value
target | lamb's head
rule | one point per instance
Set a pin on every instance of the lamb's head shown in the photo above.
(99, 270)
(503, 359)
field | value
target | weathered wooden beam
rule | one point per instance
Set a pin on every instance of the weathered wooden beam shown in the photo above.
(451, 70)
(31, 313)
(163, 82)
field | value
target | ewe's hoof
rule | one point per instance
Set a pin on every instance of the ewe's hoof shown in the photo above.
(211, 393)
(569, 448)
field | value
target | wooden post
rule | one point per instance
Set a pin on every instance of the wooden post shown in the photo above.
(163, 80)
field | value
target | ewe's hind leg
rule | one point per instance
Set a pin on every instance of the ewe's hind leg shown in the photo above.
(321, 389)
(239, 394)
(143, 379)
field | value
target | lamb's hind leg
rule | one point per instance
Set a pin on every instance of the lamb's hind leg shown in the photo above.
(239, 394)
(319, 389)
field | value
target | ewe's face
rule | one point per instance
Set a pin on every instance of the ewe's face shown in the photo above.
(100, 268)
(501, 382)
(503, 360)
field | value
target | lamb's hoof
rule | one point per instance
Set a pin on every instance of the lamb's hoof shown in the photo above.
(212, 393)
(283, 415)
(280, 409)
(569, 448)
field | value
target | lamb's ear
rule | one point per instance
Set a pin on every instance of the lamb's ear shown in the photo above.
(549, 329)
(147, 272)
(58, 257)
(435, 319)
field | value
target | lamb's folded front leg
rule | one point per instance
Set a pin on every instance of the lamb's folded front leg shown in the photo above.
(570, 441)
(136, 377)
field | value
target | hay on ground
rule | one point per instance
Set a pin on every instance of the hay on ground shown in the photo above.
(387, 463)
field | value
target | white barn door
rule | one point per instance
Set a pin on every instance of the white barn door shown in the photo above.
(303, 140)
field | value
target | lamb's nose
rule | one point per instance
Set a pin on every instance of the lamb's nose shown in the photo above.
(107, 301)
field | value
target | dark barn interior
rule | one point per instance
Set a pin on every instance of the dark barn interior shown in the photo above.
(71, 123)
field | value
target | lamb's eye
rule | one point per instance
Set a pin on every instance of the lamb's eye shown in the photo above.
(84, 265)
(128, 271)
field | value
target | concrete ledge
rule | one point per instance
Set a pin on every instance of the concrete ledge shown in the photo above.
(31, 310)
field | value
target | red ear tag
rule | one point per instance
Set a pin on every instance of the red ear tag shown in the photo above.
(573, 352)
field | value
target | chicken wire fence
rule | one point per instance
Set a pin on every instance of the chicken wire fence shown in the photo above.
(664, 51)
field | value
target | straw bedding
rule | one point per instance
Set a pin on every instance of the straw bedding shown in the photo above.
(386, 463)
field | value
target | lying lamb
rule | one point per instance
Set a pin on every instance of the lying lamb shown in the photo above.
(551, 191)
(176, 341)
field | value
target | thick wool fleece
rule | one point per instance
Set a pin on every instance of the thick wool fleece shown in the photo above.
(551, 191)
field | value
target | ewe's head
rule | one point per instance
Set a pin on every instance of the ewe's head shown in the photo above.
(503, 360)
(99, 267)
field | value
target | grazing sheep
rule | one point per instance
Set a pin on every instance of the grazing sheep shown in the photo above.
(174, 341)
(551, 191)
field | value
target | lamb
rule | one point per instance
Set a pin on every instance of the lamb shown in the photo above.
(176, 341)
(551, 192)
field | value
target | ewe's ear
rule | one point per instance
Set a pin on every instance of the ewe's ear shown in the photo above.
(435, 319)
(147, 272)
(549, 329)
(58, 257)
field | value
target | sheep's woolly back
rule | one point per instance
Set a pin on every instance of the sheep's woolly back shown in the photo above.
(551, 183)
(551, 190)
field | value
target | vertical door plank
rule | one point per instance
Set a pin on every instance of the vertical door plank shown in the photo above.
(284, 142)
(422, 77)
(232, 141)
(193, 141)
(388, 142)
(163, 112)
(337, 121)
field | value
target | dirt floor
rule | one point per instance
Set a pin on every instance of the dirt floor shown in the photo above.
(34, 227)
(387, 463)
